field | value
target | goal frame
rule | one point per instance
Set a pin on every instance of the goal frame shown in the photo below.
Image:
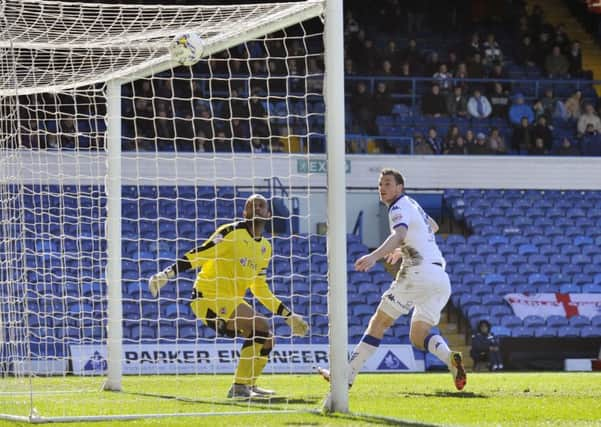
(332, 14)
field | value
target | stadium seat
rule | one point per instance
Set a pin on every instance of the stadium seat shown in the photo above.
(546, 289)
(501, 331)
(534, 321)
(590, 332)
(503, 290)
(538, 279)
(557, 321)
(511, 321)
(493, 279)
(545, 332)
(570, 288)
(591, 288)
(522, 332)
(500, 310)
(579, 321)
(568, 332)
(491, 300)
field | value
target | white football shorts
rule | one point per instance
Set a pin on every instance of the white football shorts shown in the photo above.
(426, 288)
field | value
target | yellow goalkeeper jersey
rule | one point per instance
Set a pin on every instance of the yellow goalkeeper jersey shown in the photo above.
(232, 261)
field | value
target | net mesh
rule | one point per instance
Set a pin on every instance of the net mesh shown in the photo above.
(47, 45)
(196, 141)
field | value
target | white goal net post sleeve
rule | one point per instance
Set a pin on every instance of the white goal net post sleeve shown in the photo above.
(52, 46)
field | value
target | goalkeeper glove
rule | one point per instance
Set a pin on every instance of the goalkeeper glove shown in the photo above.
(298, 326)
(158, 280)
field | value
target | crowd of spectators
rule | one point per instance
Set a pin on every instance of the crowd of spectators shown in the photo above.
(267, 96)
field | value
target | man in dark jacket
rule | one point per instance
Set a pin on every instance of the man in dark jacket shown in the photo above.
(485, 347)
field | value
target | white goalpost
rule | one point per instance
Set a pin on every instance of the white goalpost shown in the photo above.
(115, 161)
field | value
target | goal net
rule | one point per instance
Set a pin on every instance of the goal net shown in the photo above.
(114, 162)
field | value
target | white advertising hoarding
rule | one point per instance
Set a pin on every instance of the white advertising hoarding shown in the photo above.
(222, 358)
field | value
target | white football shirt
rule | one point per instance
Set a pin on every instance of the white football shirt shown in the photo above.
(420, 245)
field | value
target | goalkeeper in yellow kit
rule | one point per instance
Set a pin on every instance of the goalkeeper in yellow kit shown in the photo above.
(233, 260)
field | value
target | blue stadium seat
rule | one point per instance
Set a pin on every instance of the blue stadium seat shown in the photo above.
(534, 321)
(511, 321)
(596, 321)
(591, 288)
(489, 300)
(557, 321)
(527, 249)
(503, 290)
(538, 259)
(501, 331)
(545, 332)
(571, 269)
(590, 332)
(568, 332)
(493, 279)
(570, 288)
(497, 240)
(581, 278)
(527, 269)
(500, 310)
(548, 250)
(579, 321)
(522, 332)
(480, 290)
(538, 279)
(505, 249)
(495, 259)
(468, 300)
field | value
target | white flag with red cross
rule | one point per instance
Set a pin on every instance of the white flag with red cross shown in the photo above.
(555, 304)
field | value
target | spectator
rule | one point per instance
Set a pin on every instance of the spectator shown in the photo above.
(542, 49)
(485, 347)
(412, 56)
(480, 146)
(349, 67)
(434, 141)
(444, 79)
(457, 103)
(387, 71)
(575, 60)
(549, 103)
(589, 117)
(415, 16)
(474, 45)
(478, 106)
(525, 54)
(405, 87)
(457, 147)
(496, 142)
(560, 38)
(591, 141)
(470, 138)
(452, 62)
(362, 110)
(538, 109)
(496, 73)
(519, 109)
(492, 50)
(433, 103)
(432, 64)
(452, 135)
(556, 64)
(567, 148)
(572, 108)
(499, 101)
(420, 146)
(475, 67)
(521, 139)
(392, 54)
(543, 131)
(382, 100)
(538, 148)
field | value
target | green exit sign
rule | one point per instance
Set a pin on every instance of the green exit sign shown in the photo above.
(316, 166)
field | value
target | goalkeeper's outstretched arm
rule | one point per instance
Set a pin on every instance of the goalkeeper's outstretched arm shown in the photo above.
(160, 279)
(260, 289)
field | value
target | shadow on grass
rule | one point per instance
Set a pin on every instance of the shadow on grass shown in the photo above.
(453, 394)
(379, 420)
(258, 403)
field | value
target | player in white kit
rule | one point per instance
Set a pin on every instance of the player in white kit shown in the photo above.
(421, 283)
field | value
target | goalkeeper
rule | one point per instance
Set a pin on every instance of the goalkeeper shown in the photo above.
(233, 260)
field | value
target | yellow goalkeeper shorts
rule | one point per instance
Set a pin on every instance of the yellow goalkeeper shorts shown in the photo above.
(214, 312)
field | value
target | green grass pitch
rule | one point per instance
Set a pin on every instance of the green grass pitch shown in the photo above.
(500, 399)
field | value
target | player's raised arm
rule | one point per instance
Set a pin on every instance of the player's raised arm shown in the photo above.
(261, 290)
(195, 258)
(393, 241)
